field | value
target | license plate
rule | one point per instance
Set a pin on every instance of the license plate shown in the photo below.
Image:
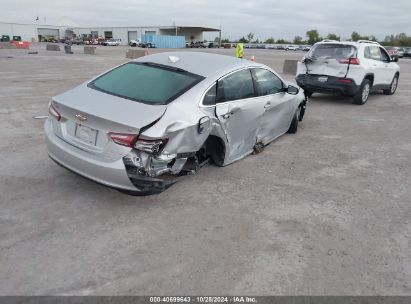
(86, 134)
(322, 79)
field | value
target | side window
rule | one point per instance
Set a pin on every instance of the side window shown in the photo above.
(210, 96)
(267, 82)
(367, 53)
(375, 53)
(384, 56)
(238, 85)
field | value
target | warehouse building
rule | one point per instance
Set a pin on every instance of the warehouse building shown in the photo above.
(36, 32)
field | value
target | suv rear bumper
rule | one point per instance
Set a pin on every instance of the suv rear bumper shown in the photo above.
(309, 82)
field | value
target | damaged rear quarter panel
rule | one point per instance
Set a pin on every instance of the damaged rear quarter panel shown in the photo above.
(181, 120)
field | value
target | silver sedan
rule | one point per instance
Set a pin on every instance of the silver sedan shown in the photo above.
(140, 125)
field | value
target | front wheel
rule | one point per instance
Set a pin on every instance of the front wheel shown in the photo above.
(363, 93)
(294, 123)
(393, 86)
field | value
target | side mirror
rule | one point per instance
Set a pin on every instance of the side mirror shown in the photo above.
(292, 90)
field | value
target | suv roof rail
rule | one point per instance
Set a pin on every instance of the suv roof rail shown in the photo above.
(367, 41)
(329, 40)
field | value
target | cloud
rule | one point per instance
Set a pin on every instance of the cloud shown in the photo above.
(265, 18)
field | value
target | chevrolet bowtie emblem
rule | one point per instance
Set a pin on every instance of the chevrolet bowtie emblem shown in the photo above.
(81, 117)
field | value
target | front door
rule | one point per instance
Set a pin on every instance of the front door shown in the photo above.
(277, 105)
(239, 111)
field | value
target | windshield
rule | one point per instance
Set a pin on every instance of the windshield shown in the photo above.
(146, 82)
(332, 51)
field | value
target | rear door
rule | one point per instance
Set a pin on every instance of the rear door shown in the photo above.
(239, 111)
(277, 105)
(375, 66)
(388, 68)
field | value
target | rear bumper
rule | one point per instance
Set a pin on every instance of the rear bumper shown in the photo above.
(112, 174)
(310, 83)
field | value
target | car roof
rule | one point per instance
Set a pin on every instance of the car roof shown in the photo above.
(200, 63)
(353, 43)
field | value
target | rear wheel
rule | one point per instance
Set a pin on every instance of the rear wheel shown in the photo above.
(363, 93)
(294, 123)
(393, 86)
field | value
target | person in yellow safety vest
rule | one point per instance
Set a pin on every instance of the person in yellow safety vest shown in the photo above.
(239, 52)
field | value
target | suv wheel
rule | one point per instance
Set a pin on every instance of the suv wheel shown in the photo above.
(393, 86)
(363, 93)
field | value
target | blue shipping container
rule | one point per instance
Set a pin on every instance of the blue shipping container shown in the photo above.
(165, 42)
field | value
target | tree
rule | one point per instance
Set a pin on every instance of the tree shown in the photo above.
(270, 40)
(313, 36)
(333, 37)
(243, 40)
(282, 41)
(250, 36)
(298, 40)
(355, 36)
(225, 40)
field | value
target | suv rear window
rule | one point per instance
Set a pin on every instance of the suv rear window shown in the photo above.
(332, 51)
(146, 82)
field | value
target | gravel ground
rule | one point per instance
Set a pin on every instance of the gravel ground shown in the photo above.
(323, 212)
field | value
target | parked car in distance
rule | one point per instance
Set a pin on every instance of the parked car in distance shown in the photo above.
(111, 42)
(349, 68)
(134, 43)
(291, 48)
(400, 52)
(148, 45)
(393, 52)
(407, 52)
(77, 41)
(226, 109)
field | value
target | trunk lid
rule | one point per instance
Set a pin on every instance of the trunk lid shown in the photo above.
(87, 115)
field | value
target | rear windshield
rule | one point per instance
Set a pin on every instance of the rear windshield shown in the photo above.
(146, 82)
(332, 51)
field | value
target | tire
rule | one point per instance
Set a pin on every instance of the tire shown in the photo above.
(308, 93)
(294, 123)
(363, 93)
(393, 86)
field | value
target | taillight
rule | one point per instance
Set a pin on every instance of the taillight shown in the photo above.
(153, 146)
(53, 112)
(351, 61)
(123, 139)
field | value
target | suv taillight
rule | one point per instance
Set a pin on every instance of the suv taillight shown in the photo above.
(352, 61)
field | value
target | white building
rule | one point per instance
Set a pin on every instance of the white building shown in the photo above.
(34, 32)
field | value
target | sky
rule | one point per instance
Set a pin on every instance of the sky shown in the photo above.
(264, 18)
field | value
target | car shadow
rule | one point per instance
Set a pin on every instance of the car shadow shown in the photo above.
(336, 99)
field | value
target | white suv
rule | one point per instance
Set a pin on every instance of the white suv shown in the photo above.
(349, 68)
